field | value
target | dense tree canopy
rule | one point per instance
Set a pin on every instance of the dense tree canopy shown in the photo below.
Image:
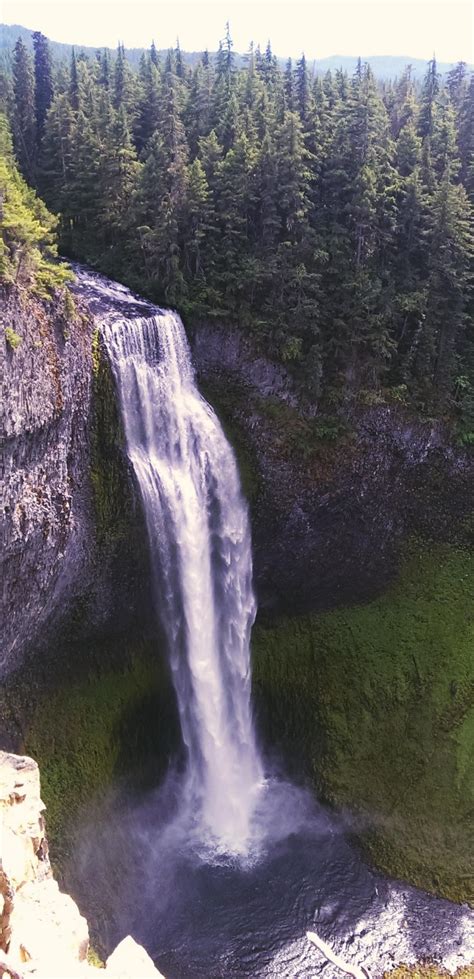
(27, 229)
(331, 216)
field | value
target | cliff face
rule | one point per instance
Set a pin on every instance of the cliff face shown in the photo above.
(332, 498)
(65, 483)
(362, 518)
(46, 396)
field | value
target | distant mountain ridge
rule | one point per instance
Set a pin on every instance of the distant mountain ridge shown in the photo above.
(383, 66)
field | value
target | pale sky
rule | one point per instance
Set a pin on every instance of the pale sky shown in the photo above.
(414, 28)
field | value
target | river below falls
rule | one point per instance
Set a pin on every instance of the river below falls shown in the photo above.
(202, 916)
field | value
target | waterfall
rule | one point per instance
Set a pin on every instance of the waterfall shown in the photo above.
(200, 549)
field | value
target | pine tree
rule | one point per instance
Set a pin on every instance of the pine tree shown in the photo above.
(197, 223)
(451, 251)
(104, 73)
(289, 87)
(24, 122)
(74, 93)
(466, 139)
(456, 84)
(57, 158)
(429, 97)
(444, 147)
(115, 234)
(199, 108)
(302, 90)
(408, 149)
(43, 81)
(149, 103)
(123, 86)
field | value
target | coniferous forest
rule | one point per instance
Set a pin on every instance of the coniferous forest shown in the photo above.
(329, 216)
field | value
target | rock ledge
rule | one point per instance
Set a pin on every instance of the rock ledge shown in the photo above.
(42, 932)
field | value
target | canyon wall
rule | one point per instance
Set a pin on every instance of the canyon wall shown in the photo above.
(363, 541)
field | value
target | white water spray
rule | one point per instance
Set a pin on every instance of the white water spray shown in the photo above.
(200, 548)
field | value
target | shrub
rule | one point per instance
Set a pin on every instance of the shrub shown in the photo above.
(12, 337)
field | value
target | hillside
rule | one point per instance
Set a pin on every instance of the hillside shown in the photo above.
(383, 66)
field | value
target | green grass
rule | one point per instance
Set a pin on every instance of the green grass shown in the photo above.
(378, 703)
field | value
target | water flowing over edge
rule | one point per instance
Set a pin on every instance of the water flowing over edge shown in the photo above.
(298, 870)
(200, 549)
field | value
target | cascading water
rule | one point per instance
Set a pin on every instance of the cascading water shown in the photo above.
(216, 916)
(200, 547)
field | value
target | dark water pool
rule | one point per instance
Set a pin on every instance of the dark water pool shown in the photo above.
(203, 917)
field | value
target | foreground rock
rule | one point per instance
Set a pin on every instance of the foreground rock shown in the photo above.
(42, 932)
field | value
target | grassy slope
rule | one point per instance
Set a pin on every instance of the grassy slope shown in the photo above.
(379, 700)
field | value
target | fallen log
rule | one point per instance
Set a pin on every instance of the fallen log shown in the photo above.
(356, 971)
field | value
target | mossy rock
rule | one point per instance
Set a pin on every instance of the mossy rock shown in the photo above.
(377, 703)
(428, 971)
(114, 503)
(225, 398)
(101, 715)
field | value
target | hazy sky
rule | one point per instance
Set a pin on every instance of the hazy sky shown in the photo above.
(321, 27)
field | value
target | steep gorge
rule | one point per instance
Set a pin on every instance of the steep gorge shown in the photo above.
(362, 533)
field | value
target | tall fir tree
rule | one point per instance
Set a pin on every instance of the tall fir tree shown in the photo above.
(43, 82)
(24, 121)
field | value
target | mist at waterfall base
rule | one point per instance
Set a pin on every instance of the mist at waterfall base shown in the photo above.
(221, 871)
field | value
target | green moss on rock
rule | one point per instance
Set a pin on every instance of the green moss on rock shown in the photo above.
(106, 714)
(378, 700)
(225, 398)
(113, 500)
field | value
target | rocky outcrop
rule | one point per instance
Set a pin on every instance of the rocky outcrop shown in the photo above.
(46, 396)
(65, 484)
(130, 960)
(42, 932)
(39, 923)
(220, 350)
(332, 496)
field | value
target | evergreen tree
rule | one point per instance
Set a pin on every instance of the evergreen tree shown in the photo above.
(74, 94)
(24, 122)
(154, 56)
(466, 139)
(124, 93)
(451, 254)
(149, 103)
(456, 84)
(302, 89)
(289, 87)
(43, 81)
(429, 97)
(198, 223)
